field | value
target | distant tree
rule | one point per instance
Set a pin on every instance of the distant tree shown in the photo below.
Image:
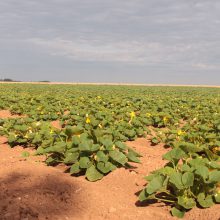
(44, 81)
(8, 80)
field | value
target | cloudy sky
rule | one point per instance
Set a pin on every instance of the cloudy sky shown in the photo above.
(139, 41)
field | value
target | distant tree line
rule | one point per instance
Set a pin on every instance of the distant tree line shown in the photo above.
(11, 80)
(7, 80)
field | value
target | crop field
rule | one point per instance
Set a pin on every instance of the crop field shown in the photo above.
(164, 140)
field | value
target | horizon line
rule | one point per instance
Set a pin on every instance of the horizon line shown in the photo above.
(113, 84)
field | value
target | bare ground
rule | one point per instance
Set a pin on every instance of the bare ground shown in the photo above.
(30, 190)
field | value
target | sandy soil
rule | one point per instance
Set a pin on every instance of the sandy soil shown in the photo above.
(7, 114)
(114, 84)
(30, 190)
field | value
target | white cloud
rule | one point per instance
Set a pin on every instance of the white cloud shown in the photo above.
(99, 50)
(171, 34)
(204, 66)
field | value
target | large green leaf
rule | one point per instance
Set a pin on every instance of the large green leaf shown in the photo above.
(85, 146)
(202, 171)
(85, 162)
(132, 157)
(186, 202)
(105, 167)
(188, 179)
(205, 201)
(177, 212)
(92, 174)
(75, 168)
(101, 156)
(119, 157)
(214, 176)
(217, 197)
(155, 184)
(176, 179)
(71, 158)
(174, 154)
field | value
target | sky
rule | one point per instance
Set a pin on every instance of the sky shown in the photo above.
(126, 41)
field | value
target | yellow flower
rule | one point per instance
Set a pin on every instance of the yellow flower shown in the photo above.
(132, 114)
(165, 119)
(148, 114)
(180, 132)
(51, 131)
(100, 125)
(88, 120)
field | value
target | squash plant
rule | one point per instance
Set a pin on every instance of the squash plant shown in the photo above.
(94, 154)
(186, 181)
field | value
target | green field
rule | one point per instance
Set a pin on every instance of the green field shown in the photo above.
(96, 121)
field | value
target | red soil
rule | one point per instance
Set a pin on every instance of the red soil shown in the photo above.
(7, 114)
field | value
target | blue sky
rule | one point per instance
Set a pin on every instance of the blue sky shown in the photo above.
(139, 41)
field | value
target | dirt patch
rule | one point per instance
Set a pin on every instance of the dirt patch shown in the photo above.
(8, 114)
(56, 124)
(31, 190)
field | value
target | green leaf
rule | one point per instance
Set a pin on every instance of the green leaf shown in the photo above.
(95, 147)
(202, 171)
(205, 202)
(186, 202)
(40, 150)
(59, 147)
(177, 212)
(120, 145)
(186, 168)
(167, 170)
(155, 141)
(217, 197)
(71, 158)
(176, 179)
(197, 162)
(77, 130)
(155, 184)
(145, 196)
(118, 157)
(85, 146)
(11, 138)
(213, 165)
(189, 147)
(188, 179)
(101, 156)
(214, 176)
(50, 161)
(134, 152)
(25, 154)
(175, 153)
(92, 174)
(108, 144)
(75, 140)
(132, 157)
(84, 162)
(105, 167)
(75, 168)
